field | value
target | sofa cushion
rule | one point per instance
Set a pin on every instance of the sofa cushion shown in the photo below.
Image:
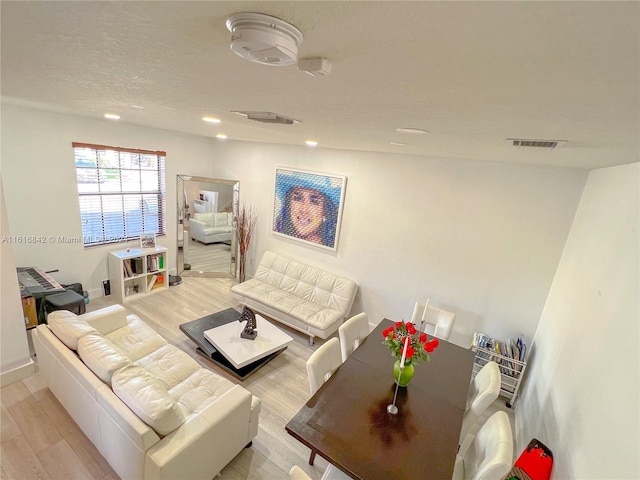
(221, 219)
(307, 282)
(68, 327)
(169, 364)
(308, 312)
(200, 389)
(206, 218)
(107, 319)
(136, 339)
(101, 356)
(148, 397)
(216, 230)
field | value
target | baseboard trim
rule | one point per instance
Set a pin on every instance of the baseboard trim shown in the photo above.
(18, 373)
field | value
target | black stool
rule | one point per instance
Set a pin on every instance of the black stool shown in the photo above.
(67, 300)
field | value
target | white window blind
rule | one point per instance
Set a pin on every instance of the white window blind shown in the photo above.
(121, 193)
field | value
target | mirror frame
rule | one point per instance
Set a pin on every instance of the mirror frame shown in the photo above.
(180, 201)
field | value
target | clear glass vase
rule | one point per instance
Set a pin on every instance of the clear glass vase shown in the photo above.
(241, 268)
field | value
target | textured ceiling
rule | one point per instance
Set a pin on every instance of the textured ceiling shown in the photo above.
(470, 73)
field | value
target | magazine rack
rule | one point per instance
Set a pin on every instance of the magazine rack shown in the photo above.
(511, 366)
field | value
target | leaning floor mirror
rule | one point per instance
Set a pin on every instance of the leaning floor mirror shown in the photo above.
(207, 245)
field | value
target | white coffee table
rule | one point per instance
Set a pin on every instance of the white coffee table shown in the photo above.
(241, 351)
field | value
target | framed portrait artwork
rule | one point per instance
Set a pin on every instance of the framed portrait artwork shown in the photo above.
(308, 206)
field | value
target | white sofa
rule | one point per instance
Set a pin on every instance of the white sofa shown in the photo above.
(211, 227)
(302, 296)
(147, 406)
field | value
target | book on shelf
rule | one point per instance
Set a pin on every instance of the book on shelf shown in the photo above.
(128, 272)
(152, 282)
(159, 281)
(153, 263)
(135, 265)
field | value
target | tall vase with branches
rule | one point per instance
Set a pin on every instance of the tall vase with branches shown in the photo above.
(245, 227)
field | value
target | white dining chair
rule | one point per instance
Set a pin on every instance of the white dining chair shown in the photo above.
(321, 365)
(331, 473)
(296, 473)
(352, 333)
(438, 322)
(491, 455)
(484, 389)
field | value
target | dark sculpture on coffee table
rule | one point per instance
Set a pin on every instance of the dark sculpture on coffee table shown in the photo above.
(250, 330)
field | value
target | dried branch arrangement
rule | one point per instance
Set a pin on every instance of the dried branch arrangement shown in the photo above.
(245, 228)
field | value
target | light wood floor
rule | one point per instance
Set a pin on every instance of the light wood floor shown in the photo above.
(41, 441)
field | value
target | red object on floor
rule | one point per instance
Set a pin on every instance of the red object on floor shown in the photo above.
(536, 461)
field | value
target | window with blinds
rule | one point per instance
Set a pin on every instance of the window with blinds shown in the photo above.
(121, 193)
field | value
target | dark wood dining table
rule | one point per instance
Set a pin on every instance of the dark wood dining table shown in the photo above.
(346, 421)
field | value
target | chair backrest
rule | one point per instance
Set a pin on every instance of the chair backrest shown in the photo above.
(439, 323)
(485, 388)
(323, 363)
(352, 333)
(296, 473)
(491, 456)
(331, 473)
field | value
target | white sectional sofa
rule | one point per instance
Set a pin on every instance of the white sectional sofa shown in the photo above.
(211, 227)
(302, 296)
(150, 409)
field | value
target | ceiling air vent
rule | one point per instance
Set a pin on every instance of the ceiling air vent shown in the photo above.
(543, 144)
(268, 117)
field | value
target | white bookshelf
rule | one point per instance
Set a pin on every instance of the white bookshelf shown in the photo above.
(136, 272)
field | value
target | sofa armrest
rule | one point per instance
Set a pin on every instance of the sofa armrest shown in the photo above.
(196, 230)
(204, 444)
(107, 319)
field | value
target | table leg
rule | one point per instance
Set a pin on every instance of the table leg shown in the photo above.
(312, 457)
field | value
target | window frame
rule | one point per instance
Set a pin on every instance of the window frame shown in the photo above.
(123, 196)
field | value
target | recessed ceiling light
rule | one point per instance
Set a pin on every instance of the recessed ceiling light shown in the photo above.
(311, 143)
(399, 144)
(112, 116)
(411, 130)
(211, 120)
(221, 136)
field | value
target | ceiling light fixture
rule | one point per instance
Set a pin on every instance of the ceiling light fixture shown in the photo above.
(264, 39)
(211, 120)
(311, 143)
(418, 131)
(112, 116)
(268, 117)
(398, 144)
(221, 136)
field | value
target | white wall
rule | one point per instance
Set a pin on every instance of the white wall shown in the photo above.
(480, 238)
(15, 359)
(582, 397)
(41, 193)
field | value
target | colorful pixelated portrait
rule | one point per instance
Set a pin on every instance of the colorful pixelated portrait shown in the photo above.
(308, 206)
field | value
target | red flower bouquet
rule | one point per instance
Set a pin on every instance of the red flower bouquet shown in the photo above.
(418, 348)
